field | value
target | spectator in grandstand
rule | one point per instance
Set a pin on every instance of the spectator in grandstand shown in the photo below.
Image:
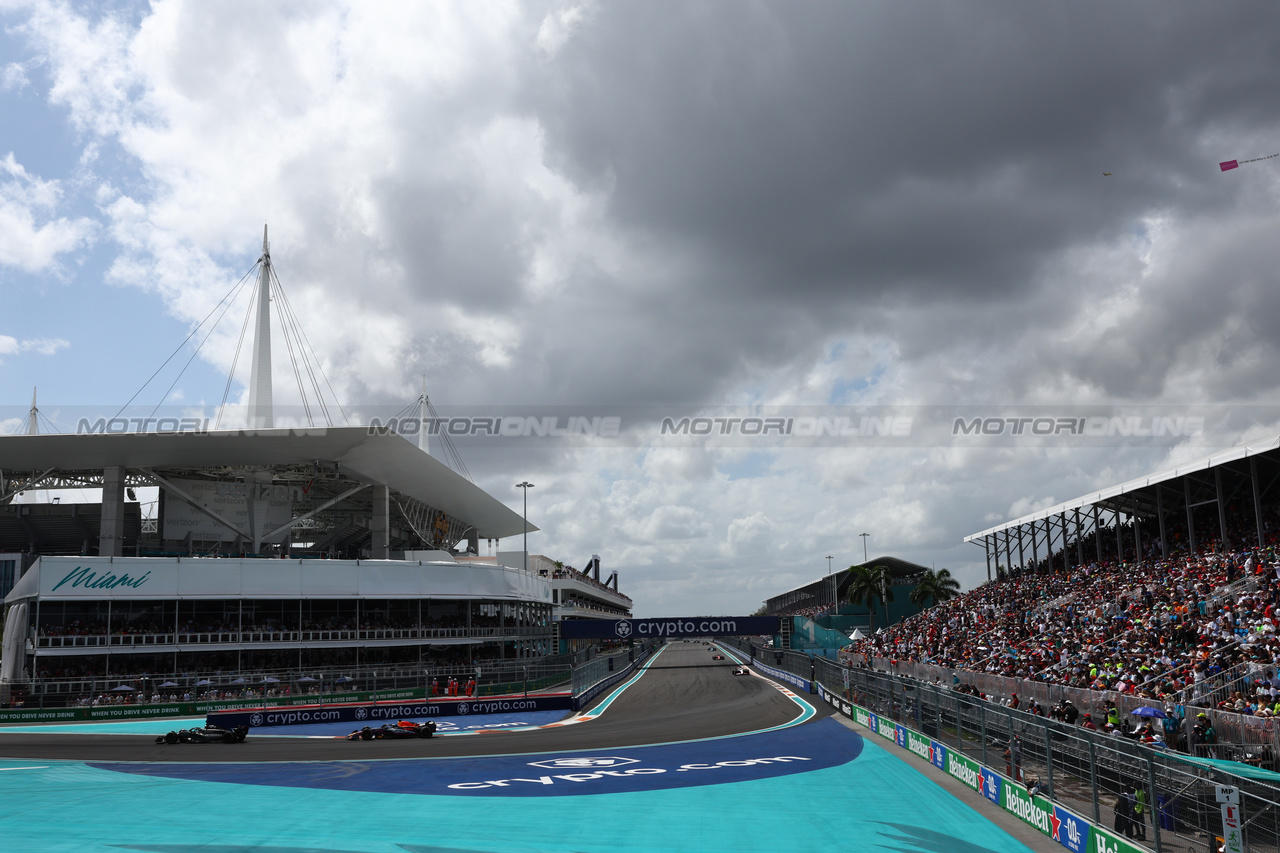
(1158, 629)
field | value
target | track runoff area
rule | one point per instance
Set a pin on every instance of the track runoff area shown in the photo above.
(684, 755)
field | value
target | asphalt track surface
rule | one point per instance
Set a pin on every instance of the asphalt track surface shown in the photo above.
(683, 695)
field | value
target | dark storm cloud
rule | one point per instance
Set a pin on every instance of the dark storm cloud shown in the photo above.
(846, 161)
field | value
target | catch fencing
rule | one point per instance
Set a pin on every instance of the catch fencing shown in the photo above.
(1253, 734)
(492, 677)
(1082, 770)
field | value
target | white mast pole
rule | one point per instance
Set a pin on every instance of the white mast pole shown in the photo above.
(33, 427)
(260, 412)
(423, 443)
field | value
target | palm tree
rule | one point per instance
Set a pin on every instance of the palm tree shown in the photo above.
(924, 591)
(867, 586)
(935, 588)
(884, 580)
(947, 586)
(862, 590)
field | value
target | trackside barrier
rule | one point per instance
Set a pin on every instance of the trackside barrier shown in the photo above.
(1067, 828)
(782, 675)
(186, 709)
(383, 711)
(602, 673)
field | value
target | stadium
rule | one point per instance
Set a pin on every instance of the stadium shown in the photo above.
(277, 561)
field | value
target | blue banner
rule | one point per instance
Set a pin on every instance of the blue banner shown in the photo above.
(1070, 831)
(656, 629)
(991, 785)
(938, 755)
(366, 714)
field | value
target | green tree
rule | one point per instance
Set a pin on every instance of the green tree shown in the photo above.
(869, 586)
(935, 588)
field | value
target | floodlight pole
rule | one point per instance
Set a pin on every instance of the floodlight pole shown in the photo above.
(864, 545)
(833, 582)
(526, 486)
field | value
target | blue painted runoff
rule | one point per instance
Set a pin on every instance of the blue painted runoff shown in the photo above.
(851, 796)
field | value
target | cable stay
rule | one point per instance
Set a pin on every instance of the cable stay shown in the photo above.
(318, 407)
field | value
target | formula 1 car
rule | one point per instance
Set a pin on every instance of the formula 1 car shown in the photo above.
(395, 731)
(717, 657)
(741, 670)
(207, 734)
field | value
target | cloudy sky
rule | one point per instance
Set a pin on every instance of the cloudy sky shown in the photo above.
(889, 210)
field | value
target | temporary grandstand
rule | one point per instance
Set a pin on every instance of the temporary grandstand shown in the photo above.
(1226, 498)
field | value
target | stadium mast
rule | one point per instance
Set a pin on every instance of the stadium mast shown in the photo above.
(33, 428)
(260, 412)
(424, 443)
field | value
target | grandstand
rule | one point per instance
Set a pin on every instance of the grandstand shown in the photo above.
(1163, 591)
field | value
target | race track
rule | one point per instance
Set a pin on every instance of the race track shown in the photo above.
(683, 696)
(683, 756)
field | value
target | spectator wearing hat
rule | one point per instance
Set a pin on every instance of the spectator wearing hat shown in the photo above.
(1205, 734)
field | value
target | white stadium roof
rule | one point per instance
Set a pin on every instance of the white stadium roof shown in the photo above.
(375, 458)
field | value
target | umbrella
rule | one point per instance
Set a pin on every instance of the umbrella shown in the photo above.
(169, 684)
(124, 688)
(1147, 711)
(344, 679)
(306, 679)
(270, 680)
(204, 682)
(238, 681)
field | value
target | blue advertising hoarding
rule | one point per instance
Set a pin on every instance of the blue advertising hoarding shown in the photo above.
(657, 629)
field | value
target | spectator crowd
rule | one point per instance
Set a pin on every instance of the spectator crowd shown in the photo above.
(1166, 630)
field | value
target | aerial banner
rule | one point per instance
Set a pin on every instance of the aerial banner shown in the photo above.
(1228, 165)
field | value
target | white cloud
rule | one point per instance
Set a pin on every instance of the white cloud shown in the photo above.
(40, 346)
(559, 26)
(13, 77)
(32, 236)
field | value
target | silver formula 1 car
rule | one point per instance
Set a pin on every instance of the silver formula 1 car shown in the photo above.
(206, 734)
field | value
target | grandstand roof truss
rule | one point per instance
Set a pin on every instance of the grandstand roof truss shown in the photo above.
(352, 490)
(1236, 483)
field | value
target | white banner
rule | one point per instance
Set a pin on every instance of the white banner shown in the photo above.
(208, 577)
